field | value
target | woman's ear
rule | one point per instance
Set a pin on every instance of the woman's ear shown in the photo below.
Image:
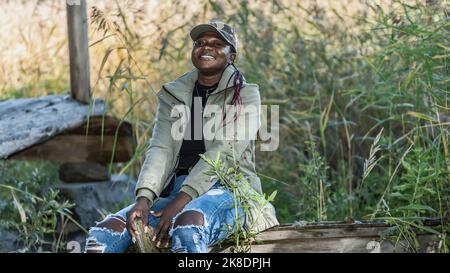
(232, 58)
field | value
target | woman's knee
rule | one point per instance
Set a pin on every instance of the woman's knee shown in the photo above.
(105, 235)
(190, 217)
(114, 223)
(187, 233)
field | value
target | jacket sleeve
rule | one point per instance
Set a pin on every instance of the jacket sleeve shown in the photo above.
(197, 182)
(159, 155)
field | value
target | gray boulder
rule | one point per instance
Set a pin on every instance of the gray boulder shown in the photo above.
(8, 242)
(93, 200)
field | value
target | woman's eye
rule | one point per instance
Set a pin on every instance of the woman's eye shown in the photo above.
(199, 43)
(203, 43)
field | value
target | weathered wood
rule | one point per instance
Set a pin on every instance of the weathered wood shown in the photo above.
(80, 148)
(30, 121)
(83, 172)
(102, 125)
(144, 244)
(331, 237)
(93, 142)
(339, 245)
(77, 26)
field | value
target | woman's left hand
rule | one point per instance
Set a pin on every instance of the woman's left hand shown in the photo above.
(166, 215)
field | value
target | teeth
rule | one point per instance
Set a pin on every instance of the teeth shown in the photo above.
(207, 57)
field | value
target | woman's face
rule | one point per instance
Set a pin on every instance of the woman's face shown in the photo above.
(211, 54)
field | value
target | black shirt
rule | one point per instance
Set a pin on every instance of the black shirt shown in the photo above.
(192, 148)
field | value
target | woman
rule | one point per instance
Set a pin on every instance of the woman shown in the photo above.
(174, 195)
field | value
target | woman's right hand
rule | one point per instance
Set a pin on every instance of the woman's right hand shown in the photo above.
(140, 210)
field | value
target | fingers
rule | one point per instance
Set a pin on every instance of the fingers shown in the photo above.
(161, 232)
(165, 243)
(156, 213)
(162, 237)
(157, 230)
(131, 226)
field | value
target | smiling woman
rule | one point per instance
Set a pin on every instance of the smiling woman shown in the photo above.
(183, 204)
(210, 55)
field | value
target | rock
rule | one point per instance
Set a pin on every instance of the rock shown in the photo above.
(93, 199)
(8, 242)
(83, 172)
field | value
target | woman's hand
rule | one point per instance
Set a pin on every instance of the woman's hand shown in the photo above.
(139, 210)
(166, 216)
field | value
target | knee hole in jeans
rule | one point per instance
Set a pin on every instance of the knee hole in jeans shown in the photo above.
(190, 217)
(114, 223)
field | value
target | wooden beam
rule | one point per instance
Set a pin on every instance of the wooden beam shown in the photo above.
(77, 27)
(335, 237)
(27, 122)
(80, 144)
(79, 148)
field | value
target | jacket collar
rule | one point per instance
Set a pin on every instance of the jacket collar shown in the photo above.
(183, 87)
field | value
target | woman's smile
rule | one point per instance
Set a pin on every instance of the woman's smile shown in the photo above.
(207, 58)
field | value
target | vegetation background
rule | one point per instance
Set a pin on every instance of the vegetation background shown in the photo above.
(362, 88)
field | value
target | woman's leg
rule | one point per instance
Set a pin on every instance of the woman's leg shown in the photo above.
(111, 235)
(205, 221)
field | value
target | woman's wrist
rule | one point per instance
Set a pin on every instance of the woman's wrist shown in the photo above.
(183, 198)
(143, 200)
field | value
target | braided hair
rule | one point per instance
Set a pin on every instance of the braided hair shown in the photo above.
(238, 84)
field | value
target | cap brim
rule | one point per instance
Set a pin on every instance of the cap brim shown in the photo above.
(200, 29)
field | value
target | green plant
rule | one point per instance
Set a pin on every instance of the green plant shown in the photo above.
(314, 185)
(41, 220)
(37, 217)
(246, 199)
(411, 201)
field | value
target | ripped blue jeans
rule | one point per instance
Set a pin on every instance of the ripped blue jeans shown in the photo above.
(217, 207)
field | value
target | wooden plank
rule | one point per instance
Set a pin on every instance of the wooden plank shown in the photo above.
(319, 233)
(102, 125)
(77, 27)
(30, 121)
(79, 148)
(324, 230)
(84, 143)
(333, 237)
(339, 245)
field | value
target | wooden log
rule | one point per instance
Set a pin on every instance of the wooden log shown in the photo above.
(332, 237)
(144, 244)
(102, 125)
(30, 121)
(77, 26)
(79, 148)
(93, 142)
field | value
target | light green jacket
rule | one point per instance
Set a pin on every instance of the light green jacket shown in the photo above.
(162, 155)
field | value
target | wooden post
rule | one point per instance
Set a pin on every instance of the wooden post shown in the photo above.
(77, 27)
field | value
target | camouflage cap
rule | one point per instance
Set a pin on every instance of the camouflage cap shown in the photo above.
(224, 30)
